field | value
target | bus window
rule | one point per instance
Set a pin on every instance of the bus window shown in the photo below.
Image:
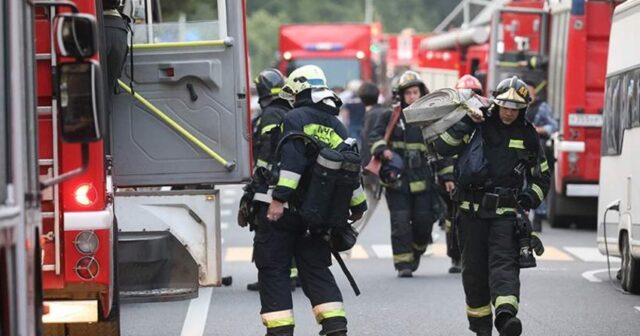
(180, 21)
(634, 104)
(610, 137)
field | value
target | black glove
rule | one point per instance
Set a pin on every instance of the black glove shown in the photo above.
(525, 202)
(536, 244)
(246, 211)
(356, 215)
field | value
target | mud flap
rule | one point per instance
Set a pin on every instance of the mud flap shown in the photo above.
(169, 243)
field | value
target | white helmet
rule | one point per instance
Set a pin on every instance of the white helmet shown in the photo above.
(303, 78)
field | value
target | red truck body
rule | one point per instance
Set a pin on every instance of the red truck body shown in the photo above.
(342, 50)
(77, 205)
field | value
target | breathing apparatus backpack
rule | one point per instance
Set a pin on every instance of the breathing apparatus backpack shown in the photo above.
(330, 183)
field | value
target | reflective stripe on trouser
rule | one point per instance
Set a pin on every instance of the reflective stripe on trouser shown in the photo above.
(328, 310)
(411, 225)
(277, 319)
(274, 249)
(489, 252)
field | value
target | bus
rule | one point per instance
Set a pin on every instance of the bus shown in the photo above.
(618, 216)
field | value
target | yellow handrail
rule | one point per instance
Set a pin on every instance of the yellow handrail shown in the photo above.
(177, 127)
(208, 43)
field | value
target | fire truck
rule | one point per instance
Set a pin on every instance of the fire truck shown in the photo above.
(20, 280)
(69, 104)
(132, 208)
(345, 51)
(579, 38)
(562, 45)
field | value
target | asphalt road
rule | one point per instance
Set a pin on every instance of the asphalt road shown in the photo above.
(567, 294)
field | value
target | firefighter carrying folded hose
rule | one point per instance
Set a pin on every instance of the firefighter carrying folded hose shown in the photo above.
(501, 172)
(316, 195)
(407, 190)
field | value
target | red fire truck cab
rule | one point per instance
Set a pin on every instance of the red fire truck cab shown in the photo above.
(345, 51)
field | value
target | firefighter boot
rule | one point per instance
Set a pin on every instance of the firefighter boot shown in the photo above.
(508, 325)
(455, 267)
(405, 273)
(254, 287)
(484, 333)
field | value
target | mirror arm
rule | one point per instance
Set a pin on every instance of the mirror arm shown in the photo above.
(78, 171)
(59, 3)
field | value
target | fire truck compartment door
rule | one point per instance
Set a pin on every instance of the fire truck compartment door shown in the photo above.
(201, 86)
(192, 217)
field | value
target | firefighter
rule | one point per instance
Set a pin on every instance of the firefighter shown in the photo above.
(266, 136)
(409, 199)
(115, 32)
(369, 94)
(500, 173)
(311, 131)
(447, 183)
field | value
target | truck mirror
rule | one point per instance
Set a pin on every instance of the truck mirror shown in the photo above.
(76, 35)
(80, 101)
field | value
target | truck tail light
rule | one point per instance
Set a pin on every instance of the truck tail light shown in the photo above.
(87, 268)
(86, 242)
(85, 194)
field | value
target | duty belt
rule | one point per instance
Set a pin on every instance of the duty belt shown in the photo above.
(489, 199)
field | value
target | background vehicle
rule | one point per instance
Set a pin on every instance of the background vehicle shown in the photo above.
(345, 51)
(578, 53)
(619, 180)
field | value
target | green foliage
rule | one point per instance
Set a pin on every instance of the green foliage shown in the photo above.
(265, 16)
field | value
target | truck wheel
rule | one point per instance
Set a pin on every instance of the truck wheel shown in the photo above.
(630, 268)
(556, 220)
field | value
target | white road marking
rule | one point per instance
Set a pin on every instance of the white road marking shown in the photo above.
(224, 225)
(589, 254)
(197, 313)
(225, 213)
(382, 251)
(591, 275)
(637, 308)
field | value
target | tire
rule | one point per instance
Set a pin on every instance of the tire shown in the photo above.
(630, 268)
(555, 219)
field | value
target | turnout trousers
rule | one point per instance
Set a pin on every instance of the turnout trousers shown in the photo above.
(490, 269)
(275, 245)
(451, 230)
(411, 225)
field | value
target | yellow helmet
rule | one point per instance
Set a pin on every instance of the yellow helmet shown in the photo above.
(303, 78)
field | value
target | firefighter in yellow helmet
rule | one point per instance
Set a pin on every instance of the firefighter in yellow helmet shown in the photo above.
(408, 196)
(315, 195)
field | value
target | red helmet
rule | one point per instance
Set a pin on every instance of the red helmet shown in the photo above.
(469, 82)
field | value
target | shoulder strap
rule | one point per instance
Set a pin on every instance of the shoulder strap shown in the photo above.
(395, 116)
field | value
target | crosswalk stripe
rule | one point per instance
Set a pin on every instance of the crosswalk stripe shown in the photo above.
(238, 254)
(588, 254)
(439, 250)
(554, 254)
(382, 251)
(358, 252)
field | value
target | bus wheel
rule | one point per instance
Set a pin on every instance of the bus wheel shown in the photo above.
(630, 268)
